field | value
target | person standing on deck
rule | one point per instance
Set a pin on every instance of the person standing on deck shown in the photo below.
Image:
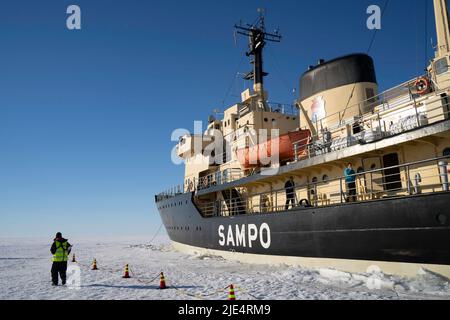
(60, 249)
(289, 187)
(350, 181)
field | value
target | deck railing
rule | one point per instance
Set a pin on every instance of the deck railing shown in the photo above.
(395, 111)
(421, 177)
(375, 127)
(276, 107)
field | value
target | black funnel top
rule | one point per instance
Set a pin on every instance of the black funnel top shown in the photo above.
(335, 73)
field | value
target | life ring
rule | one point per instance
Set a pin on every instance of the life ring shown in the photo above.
(422, 85)
(305, 203)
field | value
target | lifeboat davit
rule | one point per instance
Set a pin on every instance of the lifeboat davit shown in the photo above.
(251, 157)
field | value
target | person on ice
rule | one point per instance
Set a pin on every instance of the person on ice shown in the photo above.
(60, 249)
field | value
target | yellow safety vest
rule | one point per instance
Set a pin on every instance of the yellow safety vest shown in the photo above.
(61, 254)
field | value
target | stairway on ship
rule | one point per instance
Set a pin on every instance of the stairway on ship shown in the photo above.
(234, 202)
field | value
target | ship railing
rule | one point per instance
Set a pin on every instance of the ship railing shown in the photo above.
(373, 128)
(203, 183)
(415, 178)
(214, 179)
(395, 111)
(402, 94)
(388, 120)
(275, 107)
(170, 193)
(285, 109)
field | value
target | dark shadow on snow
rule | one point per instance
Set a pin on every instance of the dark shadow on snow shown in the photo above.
(137, 287)
(22, 258)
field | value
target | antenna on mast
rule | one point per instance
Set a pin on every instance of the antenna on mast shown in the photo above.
(258, 37)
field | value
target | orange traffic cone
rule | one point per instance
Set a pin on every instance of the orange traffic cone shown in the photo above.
(73, 258)
(162, 281)
(231, 295)
(127, 273)
(94, 265)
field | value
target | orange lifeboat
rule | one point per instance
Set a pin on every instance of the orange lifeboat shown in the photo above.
(251, 157)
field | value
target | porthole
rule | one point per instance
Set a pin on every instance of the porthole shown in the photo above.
(325, 178)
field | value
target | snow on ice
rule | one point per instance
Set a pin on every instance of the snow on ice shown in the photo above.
(25, 274)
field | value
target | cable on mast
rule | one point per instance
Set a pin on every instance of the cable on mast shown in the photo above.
(258, 38)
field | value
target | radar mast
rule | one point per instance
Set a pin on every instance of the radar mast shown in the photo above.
(258, 37)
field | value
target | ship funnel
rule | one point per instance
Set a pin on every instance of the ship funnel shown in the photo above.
(438, 69)
(442, 27)
(337, 88)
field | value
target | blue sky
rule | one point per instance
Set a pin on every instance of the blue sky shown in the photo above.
(86, 116)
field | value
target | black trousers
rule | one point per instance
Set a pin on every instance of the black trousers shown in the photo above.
(59, 268)
(290, 199)
(351, 189)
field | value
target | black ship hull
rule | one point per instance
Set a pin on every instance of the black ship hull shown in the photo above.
(412, 229)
